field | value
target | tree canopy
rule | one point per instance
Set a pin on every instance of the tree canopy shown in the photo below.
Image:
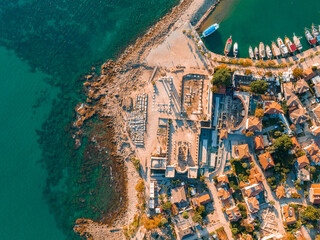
(283, 144)
(222, 77)
(297, 73)
(259, 87)
(310, 213)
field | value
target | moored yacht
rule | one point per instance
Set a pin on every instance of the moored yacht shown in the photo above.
(268, 51)
(284, 50)
(227, 48)
(256, 53)
(296, 41)
(312, 40)
(292, 48)
(275, 50)
(251, 55)
(262, 51)
(235, 49)
(315, 32)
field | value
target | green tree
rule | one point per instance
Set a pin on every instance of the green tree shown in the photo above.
(259, 87)
(222, 77)
(310, 214)
(297, 73)
(259, 113)
(166, 206)
(281, 147)
(185, 215)
(197, 218)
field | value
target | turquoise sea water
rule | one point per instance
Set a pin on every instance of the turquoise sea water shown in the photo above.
(251, 22)
(45, 46)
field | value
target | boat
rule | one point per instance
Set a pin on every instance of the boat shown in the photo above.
(262, 50)
(284, 50)
(315, 32)
(256, 53)
(235, 49)
(210, 30)
(296, 41)
(312, 40)
(251, 52)
(227, 48)
(268, 51)
(292, 48)
(275, 50)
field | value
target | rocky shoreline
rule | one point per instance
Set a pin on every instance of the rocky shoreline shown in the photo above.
(105, 94)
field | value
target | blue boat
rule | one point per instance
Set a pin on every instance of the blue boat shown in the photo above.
(210, 30)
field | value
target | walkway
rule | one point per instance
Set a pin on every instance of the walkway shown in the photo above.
(218, 208)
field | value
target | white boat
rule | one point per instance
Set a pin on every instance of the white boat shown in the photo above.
(262, 50)
(256, 53)
(251, 52)
(284, 50)
(315, 32)
(296, 41)
(269, 53)
(275, 50)
(235, 49)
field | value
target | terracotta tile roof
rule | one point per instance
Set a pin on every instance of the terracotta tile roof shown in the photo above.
(223, 179)
(304, 174)
(289, 215)
(201, 199)
(299, 235)
(316, 112)
(255, 176)
(272, 107)
(253, 204)
(314, 193)
(240, 151)
(295, 143)
(258, 142)
(301, 86)
(303, 161)
(253, 190)
(299, 116)
(223, 194)
(178, 195)
(312, 149)
(233, 214)
(309, 74)
(316, 131)
(254, 124)
(266, 160)
(223, 134)
(281, 192)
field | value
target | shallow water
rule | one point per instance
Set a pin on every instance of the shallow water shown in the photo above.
(251, 22)
(45, 46)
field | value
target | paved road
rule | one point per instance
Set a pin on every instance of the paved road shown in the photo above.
(269, 192)
(218, 208)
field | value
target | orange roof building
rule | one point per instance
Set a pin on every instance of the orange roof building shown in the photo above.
(223, 134)
(302, 162)
(316, 131)
(258, 142)
(313, 152)
(309, 74)
(233, 214)
(202, 199)
(223, 180)
(295, 143)
(301, 86)
(281, 192)
(288, 214)
(253, 204)
(314, 193)
(240, 151)
(255, 177)
(223, 194)
(266, 160)
(299, 116)
(253, 190)
(254, 124)
(316, 112)
(272, 107)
